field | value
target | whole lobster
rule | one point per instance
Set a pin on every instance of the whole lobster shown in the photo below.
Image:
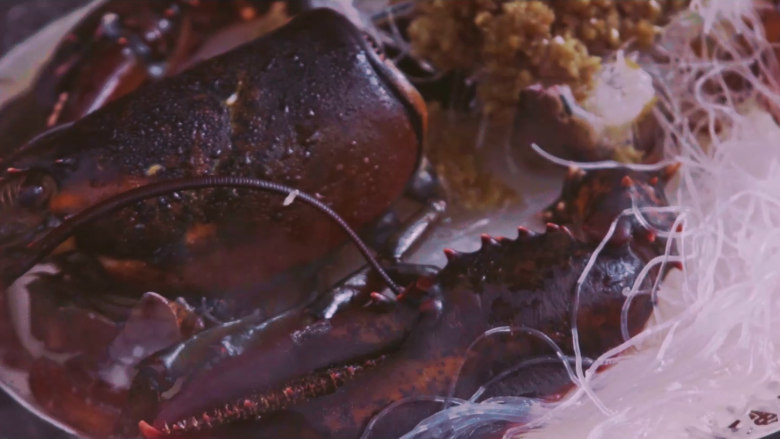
(163, 189)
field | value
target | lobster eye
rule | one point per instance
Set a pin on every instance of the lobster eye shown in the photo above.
(36, 191)
(28, 190)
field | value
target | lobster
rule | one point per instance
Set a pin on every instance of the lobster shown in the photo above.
(143, 190)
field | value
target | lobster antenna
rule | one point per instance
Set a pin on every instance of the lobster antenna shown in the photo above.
(55, 237)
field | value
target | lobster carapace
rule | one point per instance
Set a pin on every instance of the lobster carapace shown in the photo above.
(312, 105)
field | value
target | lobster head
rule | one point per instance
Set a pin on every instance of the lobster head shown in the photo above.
(314, 104)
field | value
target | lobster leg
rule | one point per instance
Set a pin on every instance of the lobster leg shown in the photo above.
(417, 226)
(394, 238)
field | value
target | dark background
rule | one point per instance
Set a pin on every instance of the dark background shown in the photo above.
(21, 18)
